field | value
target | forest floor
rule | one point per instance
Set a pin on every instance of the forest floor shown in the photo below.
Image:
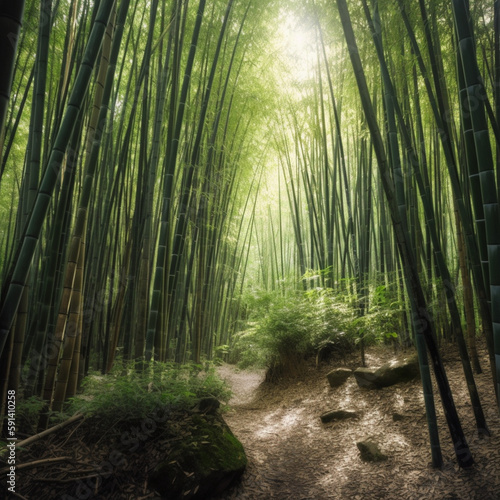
(293, 455)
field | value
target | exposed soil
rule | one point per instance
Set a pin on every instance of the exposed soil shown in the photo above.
(292, 455)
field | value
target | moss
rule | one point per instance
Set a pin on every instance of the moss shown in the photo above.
(216, 445)
(203, 463)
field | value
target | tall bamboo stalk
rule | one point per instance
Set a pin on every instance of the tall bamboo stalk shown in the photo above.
(476, 108)
(11, 16)
(423, 324)
(430, 219)
(13, 287)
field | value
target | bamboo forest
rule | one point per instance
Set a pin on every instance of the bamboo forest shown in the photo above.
(250, 249)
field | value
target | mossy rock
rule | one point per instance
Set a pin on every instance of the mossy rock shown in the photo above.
(204, 463)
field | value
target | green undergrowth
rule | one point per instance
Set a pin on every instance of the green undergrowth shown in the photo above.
(284, 328)
(27, 414)
(129, 394)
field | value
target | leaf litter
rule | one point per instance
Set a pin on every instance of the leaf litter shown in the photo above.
(293, 455)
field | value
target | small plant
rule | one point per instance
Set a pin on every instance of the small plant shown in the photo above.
(284, 333)
(221, 352)
(246, 350)
(382, 321)
(334, 318)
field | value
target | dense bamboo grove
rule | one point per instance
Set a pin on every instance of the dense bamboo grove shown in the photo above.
(138, 158)
(162, 161)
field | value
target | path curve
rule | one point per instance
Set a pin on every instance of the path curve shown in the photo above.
(292, 455)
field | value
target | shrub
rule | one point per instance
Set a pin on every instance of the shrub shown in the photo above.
(334, 317)
(289, 328)
(135, 395)
(285, 335)
(285, 326)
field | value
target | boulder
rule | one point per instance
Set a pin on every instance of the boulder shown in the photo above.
(330, 416)
(365, 377)
(370, 451)
(399, 371)
(204, 463)
(338, 376)
(388, 374)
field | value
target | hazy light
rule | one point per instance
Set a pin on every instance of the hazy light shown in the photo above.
(297, 44)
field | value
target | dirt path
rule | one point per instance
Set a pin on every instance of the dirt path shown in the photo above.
(292, 455)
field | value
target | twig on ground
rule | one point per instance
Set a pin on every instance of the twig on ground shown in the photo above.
(72, 432)
(36, 463)
(69, 480)
(42, 434)
(17, 495)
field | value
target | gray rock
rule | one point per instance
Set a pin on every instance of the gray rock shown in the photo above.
(400, 371)
(330, 416)
(370, 451)
(338, 376)
(388, 374)
(365, 377)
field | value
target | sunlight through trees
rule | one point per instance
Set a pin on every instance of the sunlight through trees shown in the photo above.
(174, 175)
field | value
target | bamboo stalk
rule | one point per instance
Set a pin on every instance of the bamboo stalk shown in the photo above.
(423, 324)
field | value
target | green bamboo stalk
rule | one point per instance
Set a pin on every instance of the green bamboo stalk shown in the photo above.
(68, 309)
(30, 186)
(478, 262)
(187, 183)
(11, 16)
(430, 219)
(7, 148)
(496, 80)
(424, 327)
(484, 154)
(19, 87)
(14, 285)
(176, 118)
(71, 335)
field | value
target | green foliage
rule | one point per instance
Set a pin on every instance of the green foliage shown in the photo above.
(284, 332)
(382, 321)
(333, 319)
(27, 413)
(220, 351)
(136, 395)
(246, 350)
(285, 329)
